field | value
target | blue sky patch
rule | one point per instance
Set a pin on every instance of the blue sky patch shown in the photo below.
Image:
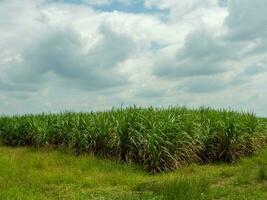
(135, 6)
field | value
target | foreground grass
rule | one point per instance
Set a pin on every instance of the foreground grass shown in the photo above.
(28, 173)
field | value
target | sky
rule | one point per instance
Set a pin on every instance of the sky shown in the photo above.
(84, 55)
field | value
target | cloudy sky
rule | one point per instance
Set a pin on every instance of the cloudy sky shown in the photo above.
(95, 54)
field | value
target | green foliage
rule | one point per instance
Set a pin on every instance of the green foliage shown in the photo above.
(43, 173)
(262, 175)
(158, 139)
(180, 188)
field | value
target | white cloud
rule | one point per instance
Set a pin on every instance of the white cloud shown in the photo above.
(97, 2)
(105, 2)
(247, 19)
(57, 56)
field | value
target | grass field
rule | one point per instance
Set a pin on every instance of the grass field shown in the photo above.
(28, 173)
(134, 153)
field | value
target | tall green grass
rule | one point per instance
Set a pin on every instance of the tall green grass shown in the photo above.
(158, 139)
(179, 188)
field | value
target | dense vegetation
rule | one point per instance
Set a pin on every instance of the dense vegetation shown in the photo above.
(158, 139)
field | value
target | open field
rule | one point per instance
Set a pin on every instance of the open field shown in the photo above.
(205, 154)
(28, 173)
(156, 139)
